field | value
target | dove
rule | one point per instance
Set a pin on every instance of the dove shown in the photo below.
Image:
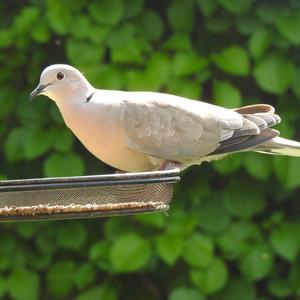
(147, 131)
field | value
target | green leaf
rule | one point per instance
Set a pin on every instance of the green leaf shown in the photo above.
(181, 15)
(40, 32)
(133, 52)
(108, 77)
(99, 34)
(248, 24)
(115, 227)
(138, 81)
(132, 8)
(184, 293)
(213, 278)
(229, 165)
(6, 39)
(181, 224)
(27, 19)
(59, 16)
(72, 235)
(158, 70)
(198, 250)
(169, 248)
(295, 85)
(60, 278)
(285, 242)
(81, 27)
(289, 26)
(7, 246)
(63, 139)
(185, 88)
(151, 25)
(236, 6)
(46, 242)
(75, 7)
(280, 288)
(259, 42)
(258, 165)
(243, 204)
(13, 146)
(271, 13)
(257, 263)
(287, 171)
(85, 275)
(107, 12)
(27, 230)
(23, 284)
(156, 220)
(63, 165)
(99, 255)
(7, 101)
(238, 288)
(274, 74)
(207, 7)
(82, 53)
(188, 63)
(179, 42)
(56, 116)
(293, 277)
(219, 24)
(212, 215)
(238, 238)
(36, 142)
(3, 286)
(120, 36)
(40, 261)
(30, 114)
(97, 250)
(225, 94)
(129, 253)
(98, 292)
(233, 60)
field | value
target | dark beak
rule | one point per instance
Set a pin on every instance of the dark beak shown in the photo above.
(38, 91)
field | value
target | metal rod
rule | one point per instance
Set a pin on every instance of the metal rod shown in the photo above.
(126, 178)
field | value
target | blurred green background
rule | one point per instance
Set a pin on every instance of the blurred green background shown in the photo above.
(233, 230)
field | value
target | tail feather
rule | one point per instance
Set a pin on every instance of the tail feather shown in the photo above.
(280, 146)
(266, 140)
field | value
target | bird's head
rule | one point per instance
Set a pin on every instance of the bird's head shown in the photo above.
(60, 82)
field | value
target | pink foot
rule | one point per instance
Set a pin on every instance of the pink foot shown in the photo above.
(170, 165)
(120, 172)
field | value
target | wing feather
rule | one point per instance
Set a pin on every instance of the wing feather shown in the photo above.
(175, 128)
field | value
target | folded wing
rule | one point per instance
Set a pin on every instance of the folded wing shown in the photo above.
(173, 128)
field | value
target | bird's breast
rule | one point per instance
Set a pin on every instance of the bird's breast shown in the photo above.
(99, 129)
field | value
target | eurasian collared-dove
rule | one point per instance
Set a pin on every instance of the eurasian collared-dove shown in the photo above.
(144, 131)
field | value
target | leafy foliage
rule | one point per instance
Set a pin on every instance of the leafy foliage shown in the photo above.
(233, 228)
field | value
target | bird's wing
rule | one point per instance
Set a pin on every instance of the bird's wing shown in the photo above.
(178, 129)
(263, 115)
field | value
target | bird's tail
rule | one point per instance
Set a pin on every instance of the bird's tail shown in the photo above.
(280, 146)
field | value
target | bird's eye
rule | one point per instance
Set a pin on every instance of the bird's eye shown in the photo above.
(60, 75)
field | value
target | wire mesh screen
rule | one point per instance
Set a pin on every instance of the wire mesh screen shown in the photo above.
(86, 196)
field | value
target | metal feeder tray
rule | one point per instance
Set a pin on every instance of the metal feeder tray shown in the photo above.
(86, 196)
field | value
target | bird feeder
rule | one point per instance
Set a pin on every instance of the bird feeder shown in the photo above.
(86, 196)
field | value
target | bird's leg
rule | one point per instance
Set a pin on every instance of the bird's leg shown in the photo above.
(170, 165)
(120, 172)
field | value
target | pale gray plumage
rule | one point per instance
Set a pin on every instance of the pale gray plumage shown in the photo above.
(142, 131)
